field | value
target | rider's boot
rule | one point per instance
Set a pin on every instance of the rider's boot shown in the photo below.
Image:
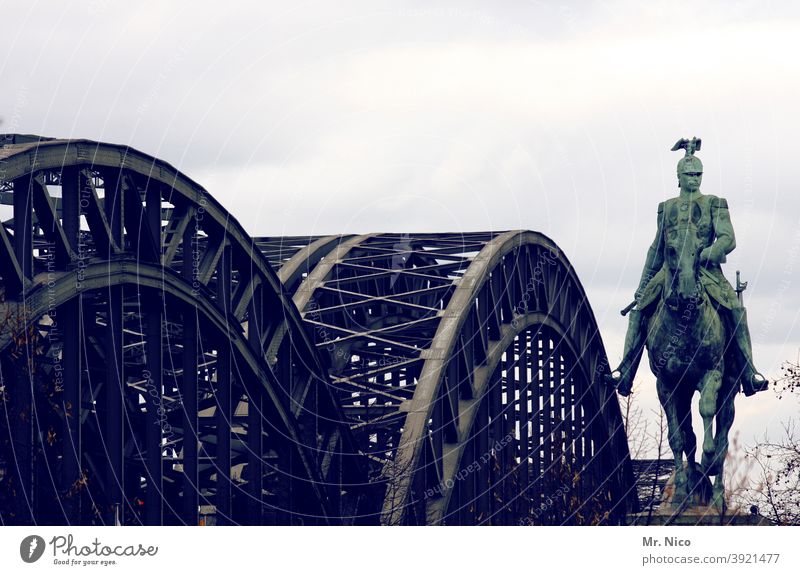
(634, 347)
(752, 380)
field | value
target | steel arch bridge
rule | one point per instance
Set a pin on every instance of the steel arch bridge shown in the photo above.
(450, 378)
(469, 366)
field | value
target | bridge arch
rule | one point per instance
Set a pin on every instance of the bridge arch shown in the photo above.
(434, 340)
(105, 236)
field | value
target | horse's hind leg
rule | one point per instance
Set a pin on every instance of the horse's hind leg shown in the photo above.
(676, 444)
(709, 392)
(725, 415)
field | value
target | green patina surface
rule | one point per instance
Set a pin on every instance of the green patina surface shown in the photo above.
(695, 329)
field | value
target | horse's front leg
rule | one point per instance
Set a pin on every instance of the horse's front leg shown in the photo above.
(709, 392)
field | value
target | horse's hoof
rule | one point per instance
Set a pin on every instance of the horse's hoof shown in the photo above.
(679, 503)
(681, 489)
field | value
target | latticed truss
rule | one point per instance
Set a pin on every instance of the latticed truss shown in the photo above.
(161, 366)
(141, 381)
(469, 366)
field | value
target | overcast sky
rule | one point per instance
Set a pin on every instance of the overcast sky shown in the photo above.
(305, 118)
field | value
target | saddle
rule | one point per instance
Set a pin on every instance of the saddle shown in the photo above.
(717, 289)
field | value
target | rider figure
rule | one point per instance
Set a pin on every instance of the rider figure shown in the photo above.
(710, 214)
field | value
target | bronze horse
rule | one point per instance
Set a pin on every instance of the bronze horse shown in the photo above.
(686, 345)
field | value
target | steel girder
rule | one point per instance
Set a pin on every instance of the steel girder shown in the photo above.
(466, 366)
(470, 368)
(146, 375)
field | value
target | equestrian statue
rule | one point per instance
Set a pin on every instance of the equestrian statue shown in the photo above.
(695, 328)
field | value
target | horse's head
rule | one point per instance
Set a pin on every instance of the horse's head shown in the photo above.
(682, 259)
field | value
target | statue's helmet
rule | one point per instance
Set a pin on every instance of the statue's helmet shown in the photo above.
(690, 164)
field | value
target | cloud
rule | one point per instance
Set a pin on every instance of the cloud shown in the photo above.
(369, 116)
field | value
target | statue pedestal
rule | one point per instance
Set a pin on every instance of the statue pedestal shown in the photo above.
(697, 511)
(696, 516)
